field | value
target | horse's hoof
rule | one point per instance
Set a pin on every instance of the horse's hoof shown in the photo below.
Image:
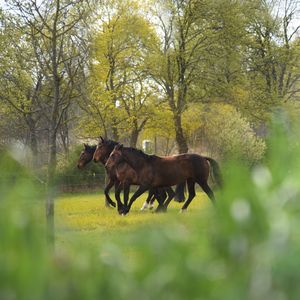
(160, 210)
(120, 211)
(123, 211)
(183, 210)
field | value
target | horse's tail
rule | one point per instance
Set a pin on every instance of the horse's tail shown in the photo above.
(216, 172)
(179, 192)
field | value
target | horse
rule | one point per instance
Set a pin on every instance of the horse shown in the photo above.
(155, 171)
(126, 176)
(85, 157)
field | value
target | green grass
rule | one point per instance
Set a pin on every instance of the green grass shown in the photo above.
(84, 219)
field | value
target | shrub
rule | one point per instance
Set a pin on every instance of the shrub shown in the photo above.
(71, 178)
(229, 135)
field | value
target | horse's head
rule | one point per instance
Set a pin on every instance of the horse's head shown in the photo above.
(103, 150)
(86, 156)
(115, 157)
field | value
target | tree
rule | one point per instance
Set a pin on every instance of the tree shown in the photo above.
(54, 31)
(190, 44)
(120, 89)
(137, 101)
(272, 57)
(21, 81)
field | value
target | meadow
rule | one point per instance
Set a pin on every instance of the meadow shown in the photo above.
(83, 218)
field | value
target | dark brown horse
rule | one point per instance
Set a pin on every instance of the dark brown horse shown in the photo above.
(85, 157)
(154, 171)
(126, 176)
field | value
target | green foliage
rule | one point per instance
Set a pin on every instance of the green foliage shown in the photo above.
(230, 135)
(236, 52)
(120, 93)
(22, 247)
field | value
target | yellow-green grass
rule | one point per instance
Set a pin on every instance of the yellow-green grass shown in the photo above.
(83, 218)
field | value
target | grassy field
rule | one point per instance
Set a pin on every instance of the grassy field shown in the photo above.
(84, 219)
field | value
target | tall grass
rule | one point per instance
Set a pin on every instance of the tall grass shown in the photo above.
(248, 247)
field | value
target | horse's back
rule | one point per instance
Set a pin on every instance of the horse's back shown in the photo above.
(180, 167)
(181, 157)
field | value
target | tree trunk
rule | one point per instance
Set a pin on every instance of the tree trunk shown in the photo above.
(33, 143)
(115, 134)
(51, 187)
(64, 134)
(134, 137)
(34, 149)
(54, 120)
(180, 138)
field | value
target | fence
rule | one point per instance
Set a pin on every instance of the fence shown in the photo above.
(74, 183)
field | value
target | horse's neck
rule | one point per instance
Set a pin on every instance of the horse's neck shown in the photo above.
(106, 156)
(133, 159)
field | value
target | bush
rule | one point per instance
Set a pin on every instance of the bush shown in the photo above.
(69, 177)
(229, 135)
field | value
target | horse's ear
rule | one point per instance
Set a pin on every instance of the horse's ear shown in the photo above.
(85, 146)
(119, 147)
(101, 139)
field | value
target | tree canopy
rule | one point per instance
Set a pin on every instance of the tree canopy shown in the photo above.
(71, 71)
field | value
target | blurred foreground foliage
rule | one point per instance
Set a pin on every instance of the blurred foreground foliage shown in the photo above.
(246, 248)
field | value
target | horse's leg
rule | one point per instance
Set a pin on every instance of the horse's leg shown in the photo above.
(126, 191)
(108, 200)
(171, 195)
(179, 192)
(208, 191)
(118, 189)
(149, 201)
(160, 195)
(137, 193)
(192, 194)
(152, 199)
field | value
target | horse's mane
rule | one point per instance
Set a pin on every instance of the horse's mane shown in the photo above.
(140, 153)
(110, 142)
(91, 148)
